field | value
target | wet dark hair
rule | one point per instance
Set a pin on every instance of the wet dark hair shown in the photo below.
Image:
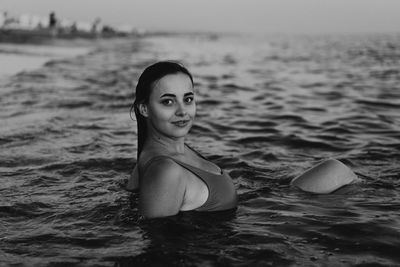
(150, 75)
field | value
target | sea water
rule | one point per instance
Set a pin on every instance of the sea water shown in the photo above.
(269, 107)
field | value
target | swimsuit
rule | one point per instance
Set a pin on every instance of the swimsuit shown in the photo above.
(221, 191)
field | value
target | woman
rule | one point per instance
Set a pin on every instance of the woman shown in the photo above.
(172, 177)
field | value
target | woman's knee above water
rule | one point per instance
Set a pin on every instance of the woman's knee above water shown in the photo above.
(325, 177)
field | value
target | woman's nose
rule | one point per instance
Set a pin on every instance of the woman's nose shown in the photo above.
(181, 110)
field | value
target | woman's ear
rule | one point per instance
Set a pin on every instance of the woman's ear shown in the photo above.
(143, 110)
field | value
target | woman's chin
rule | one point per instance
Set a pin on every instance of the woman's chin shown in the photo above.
(181, 131)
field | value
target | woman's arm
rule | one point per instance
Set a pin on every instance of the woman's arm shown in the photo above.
(162, 189)
(133, 181)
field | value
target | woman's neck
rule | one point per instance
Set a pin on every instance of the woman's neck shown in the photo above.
(171, 145)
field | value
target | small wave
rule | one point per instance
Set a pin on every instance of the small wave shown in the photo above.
(379, 104)
(330, 137)
(33, 209)
(255, 140)
(338, 130)
(312, 109)
(331, 96)
(237, 87)
(257, 155)
(220, 128)
(19, 139)
(94, 164)
(297, 142)
(211, 102)
(42, 181)
(68, 104)
(32, 76)
(375, 235)
(203, 130)
(103, 81)
(254, 123)
(88, 126)
(288, 117)
(5, 140)
(58, 62)
(40, 237)
(291, 141)
(111, 96)
(386, 74)
(313, 85)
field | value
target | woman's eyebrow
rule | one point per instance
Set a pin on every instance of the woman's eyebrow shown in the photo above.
(168, 95)
(172, 95)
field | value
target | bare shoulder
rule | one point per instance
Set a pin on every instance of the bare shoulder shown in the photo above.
(162, 170)
(133, 181)
(162, 189)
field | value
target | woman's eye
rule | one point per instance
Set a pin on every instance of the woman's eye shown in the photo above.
(167, 102)
(189, 99)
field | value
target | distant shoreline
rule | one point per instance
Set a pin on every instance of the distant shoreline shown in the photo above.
(20, 57)
(47, 35)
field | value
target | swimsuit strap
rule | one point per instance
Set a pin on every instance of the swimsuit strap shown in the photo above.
(193, 169)
(150, 161)
(196, 152)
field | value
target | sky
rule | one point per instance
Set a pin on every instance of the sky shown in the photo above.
(248, 16)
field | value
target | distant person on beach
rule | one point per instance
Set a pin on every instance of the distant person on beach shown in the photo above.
(96, 26)
(53, 24)
(52, 20)
(3, 17)
(6, 20)
(170, 175)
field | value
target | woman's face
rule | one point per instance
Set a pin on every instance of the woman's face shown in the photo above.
(171, 108)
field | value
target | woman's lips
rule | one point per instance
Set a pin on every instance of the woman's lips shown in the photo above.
(181, 123)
